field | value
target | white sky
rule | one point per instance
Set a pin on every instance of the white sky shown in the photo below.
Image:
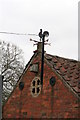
(59, 17)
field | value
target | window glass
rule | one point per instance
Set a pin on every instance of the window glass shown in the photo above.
(35, 87)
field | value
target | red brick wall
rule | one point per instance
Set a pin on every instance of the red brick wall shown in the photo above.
(56, 102)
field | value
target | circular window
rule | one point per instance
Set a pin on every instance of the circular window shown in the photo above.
(35, 87)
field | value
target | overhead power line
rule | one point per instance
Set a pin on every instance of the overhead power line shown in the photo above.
(17, 33)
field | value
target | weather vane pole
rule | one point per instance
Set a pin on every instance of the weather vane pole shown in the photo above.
(42, 36)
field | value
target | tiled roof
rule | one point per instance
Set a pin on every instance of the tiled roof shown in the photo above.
(68, 69)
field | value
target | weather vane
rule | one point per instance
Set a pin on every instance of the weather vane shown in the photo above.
(41, 36)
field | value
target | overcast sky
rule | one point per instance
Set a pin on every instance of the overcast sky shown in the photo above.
(59, 17)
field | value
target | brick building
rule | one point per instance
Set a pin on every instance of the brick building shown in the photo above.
(59, 96)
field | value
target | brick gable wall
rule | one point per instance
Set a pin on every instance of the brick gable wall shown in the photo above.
(53, 102)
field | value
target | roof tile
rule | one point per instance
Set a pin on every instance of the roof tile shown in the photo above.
(68, 69)
(77, 89)
(71, 83)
